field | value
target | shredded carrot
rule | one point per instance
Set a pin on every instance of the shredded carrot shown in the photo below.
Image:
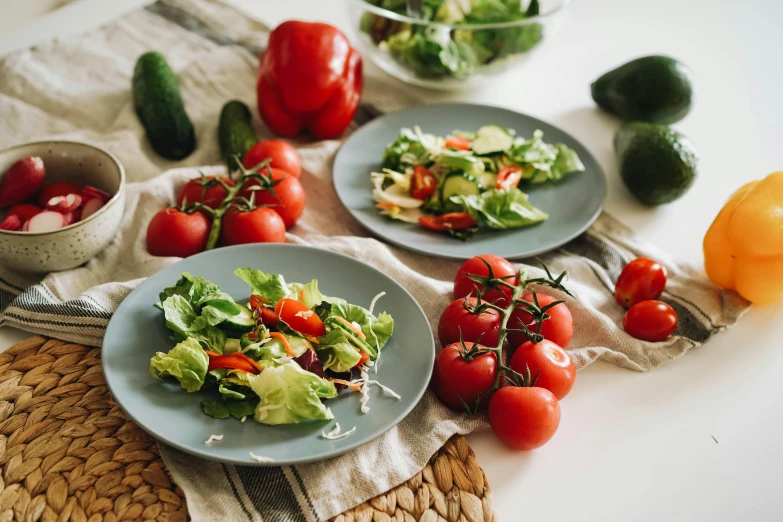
(280, 337)
(385, 204)
(212, 354)
(301, 295)
(351, 326)
(348, 383)
(312, 339)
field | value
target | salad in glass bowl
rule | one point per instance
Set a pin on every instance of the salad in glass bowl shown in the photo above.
(455, 42)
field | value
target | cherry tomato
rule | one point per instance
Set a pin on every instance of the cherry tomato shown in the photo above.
(559, 328)
(457, 318)
(454, 377)
(24, 211)
(423, 182)
(556, 371)
(173, 233)
(262, 225)
(193, 192)
(289, 198)
(56, 189)
(641, 279)
(268, 317)
(509, 177)
(282, 155)
(524, 418)
(457, 142)
(501, 268)
(450, 221)
(650, 321)
(299, 317)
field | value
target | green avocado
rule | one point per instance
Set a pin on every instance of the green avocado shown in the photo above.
(655, 89)
(657, 164)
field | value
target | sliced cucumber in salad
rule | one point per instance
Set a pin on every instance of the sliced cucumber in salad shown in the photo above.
(491, 139)
(459, 184)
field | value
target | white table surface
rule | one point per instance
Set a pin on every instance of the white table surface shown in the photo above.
(630, 446)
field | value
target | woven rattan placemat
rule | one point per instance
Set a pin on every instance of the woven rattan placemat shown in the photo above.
(67, 453)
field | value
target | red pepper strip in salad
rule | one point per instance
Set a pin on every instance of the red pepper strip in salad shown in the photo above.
(268, 317)
(348, 383)
(509, 177)
(258, 301)
(280, 337)
(365, 357)
(450, 221)
(351, 326)
(232, 363)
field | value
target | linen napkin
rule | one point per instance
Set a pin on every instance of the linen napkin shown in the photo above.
(79, 88)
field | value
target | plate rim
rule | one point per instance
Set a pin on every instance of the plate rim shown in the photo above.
(377, 122)
(160, 439)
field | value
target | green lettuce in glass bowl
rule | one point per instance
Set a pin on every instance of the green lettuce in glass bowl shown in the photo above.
(455, 43)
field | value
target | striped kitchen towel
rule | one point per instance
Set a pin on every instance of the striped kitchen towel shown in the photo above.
(78, 88)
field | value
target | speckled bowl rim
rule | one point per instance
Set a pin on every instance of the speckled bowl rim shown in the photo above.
(82, 222)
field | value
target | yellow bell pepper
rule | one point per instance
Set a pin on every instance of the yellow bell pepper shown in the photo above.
(743, 249)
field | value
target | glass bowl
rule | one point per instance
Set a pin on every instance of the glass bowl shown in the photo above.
(450, 56)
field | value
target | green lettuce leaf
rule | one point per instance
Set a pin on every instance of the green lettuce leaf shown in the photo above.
(269, 286)
(567, 161)
(502, 209)
(239, 409)
(290, 395)
(187, 362)
(336, 352)
(183, 321)
(377, 330)
(312, 296)
(192, 288)
(215, 409)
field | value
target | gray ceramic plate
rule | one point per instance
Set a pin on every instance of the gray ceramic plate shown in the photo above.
(572, 204)
(137, 331)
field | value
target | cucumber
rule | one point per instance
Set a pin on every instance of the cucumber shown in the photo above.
(232, 346)
(487, 180)
(235, 132)
(240, 323)
(459, 184)
(491, 139)
(160, 108)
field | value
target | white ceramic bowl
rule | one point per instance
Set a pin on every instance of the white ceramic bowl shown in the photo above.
(75, 244)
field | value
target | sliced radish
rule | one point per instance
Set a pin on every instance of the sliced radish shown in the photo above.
(64, 204)
(69, 218)
(91, 207)
(26, 226)
(46, 221)
(12, 223)
(92, 192)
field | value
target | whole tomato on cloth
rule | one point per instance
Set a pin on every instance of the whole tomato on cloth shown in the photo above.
(651, 321)
(641, 279)
(287, 197)
(309, 78)
(481, 266)
(281, 154)
(555, 370)
(459, 318)
(174, 233)
(461, 375)
(261, 225)
(194, 192)
(524, 418)
(559, 328)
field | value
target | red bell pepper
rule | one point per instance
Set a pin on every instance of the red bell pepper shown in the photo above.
(310, 78)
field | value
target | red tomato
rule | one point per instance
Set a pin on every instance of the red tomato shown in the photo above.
(524, 418)
(508, 177)
(57, 189)
(268, 317)
(262, 225)
(650, 321)
(289, 198)
(457, 142)
(24, 211)
(282, 155)
(641, 279)
(450, 221)
(177, 234)
(423, 182)
(501, 268)
(299, 317)
(556, 371)
(454, 377)
(193, 192)
(457, 318)
(559, 328)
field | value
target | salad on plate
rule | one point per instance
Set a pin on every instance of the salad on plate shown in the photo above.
(466, 181)
(276, 358)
